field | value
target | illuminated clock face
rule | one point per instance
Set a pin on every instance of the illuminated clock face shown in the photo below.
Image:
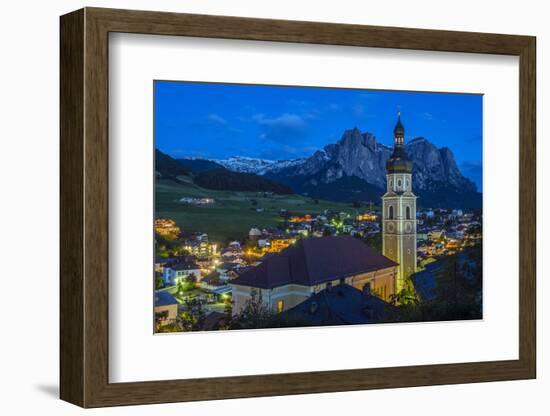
(390, 227)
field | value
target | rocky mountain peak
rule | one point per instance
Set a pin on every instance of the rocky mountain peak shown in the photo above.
(358, 154)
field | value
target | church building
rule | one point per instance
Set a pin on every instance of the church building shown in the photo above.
(399, 210)
(311, 267)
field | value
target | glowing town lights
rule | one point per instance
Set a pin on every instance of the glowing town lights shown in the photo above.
(167, 227)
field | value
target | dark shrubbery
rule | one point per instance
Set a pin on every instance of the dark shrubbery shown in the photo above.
(225, 180)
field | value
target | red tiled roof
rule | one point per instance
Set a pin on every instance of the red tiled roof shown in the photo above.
(313, 261)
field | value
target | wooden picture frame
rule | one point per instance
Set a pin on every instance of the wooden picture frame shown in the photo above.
(84, 207)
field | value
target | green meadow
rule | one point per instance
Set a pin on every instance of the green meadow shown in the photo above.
(233, 213)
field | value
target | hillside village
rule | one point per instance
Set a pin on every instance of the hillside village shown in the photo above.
(196, 277)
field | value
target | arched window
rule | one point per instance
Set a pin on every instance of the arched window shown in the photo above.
(407, 184)
(408, 213)
(390, 212)
(399, 183)
(391, 184)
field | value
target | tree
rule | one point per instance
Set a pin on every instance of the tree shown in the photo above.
(193, 315)
(191, 280)
(406, 296)
(254, 314)
(162, 326)
(180, 287)
(159, 282)
(457, 293)
(186, 283)
(173, 327)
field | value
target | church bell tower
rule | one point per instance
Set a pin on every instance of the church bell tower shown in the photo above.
(399, 210)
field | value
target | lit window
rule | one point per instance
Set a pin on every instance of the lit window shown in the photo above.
(280, 306)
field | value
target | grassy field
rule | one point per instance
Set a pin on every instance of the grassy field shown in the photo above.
(233, 214)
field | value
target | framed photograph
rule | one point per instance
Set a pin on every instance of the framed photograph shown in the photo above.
(255, 207)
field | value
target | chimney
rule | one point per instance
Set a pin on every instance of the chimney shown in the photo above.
(313, 307)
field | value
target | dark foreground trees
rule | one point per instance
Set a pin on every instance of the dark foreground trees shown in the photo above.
(456, 294)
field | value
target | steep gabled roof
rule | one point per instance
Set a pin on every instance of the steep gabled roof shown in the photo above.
(184, 265)
(338, 305)
(314, 261)
(163, 298)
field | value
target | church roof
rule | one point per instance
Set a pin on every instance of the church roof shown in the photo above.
(314, 261)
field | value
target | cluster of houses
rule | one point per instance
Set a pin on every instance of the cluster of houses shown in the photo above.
(295, 227)
(332, 223)
(220, 270)
(167, 228)
(444, 232)
(197, 201)
(297, 268)
(200, 246)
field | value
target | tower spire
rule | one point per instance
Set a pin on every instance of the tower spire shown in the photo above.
(399, 132)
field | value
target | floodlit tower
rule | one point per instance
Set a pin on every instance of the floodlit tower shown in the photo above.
(399, 210)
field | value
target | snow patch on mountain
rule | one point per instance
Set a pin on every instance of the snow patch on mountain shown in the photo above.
(254, 165)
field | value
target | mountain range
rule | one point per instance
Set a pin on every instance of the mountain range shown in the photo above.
(354, 169)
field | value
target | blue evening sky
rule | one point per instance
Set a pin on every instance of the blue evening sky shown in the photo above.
(272, 122)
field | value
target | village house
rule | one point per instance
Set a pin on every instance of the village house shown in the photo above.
(279, 244)
(211, 281)
(338, 305)
(167, 227)
(180, 270)
(286, 279)
(197, 201)
(160, 263)
(302, 219)
(254, 234)
(200, 247)
(436, 235)
(234, 245)
(366, 216)
(224, 268)
(166, 308)
(430, 214)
